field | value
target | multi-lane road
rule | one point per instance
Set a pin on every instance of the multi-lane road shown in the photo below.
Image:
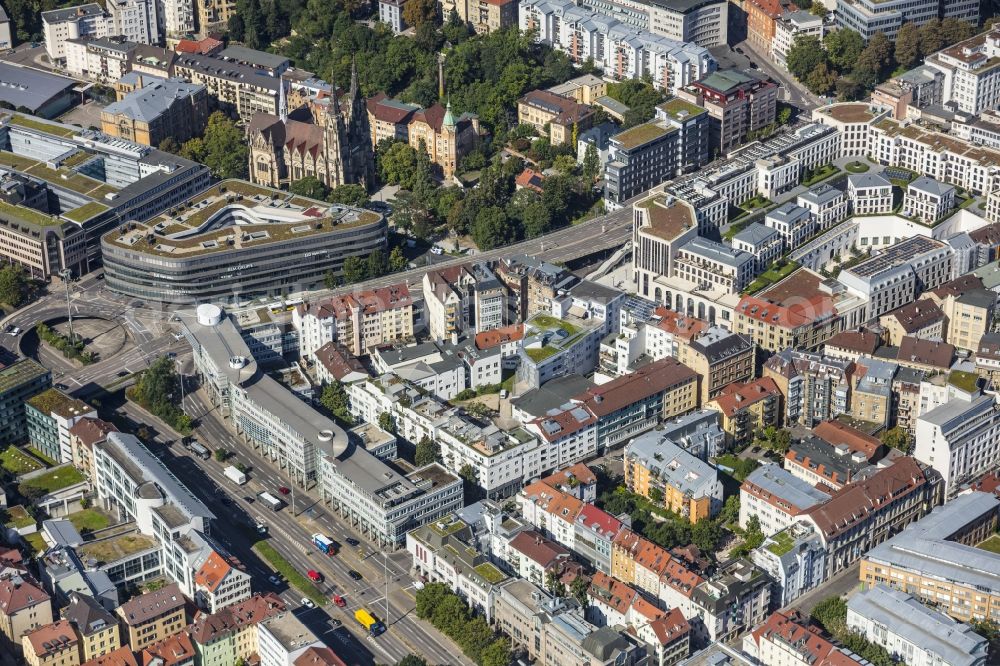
(290, 530)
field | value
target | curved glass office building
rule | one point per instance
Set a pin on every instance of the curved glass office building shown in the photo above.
(236, 242)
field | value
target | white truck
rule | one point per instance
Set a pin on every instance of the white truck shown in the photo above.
(235, 475)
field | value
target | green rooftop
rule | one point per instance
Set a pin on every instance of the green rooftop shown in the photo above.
(14, 213)
(780, 543)
(115, 548)
(20, 373)
(444, 528)
(54, 400)
(56, 479)
(642, 134)
(41, 126)
(550, 323)
(490, 573)
(86, 211)
(18, 516)
(539, 354)
(967, 381)
(679, 109)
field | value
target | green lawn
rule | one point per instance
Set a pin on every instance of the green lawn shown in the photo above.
(824, 172)
(539, 354)
(290, 573)
(36, 542)
(992, 544)
(88, 519)
(771, 276)
(41, 456)
(551, 324)
(16, 462)
(57, 479)
(857, 167)
(18, 517)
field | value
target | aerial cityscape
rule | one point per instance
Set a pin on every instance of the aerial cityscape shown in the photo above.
(500, 333)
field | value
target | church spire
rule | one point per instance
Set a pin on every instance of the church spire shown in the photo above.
(354, 78)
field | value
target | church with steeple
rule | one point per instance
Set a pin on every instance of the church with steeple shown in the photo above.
(329, 139)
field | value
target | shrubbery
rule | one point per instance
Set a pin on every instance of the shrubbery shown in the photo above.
(69, 348)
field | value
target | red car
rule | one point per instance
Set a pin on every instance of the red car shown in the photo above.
(339, 600)
(315, 576)
(284, 491)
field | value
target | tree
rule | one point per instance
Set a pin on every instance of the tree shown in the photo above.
(450, 615)
(656, 496)
(874, 62)
(310, 186)
(907, 47)
(849, 90)
(350, 195)
(784, 115)
(334, 398)
(536, 220)
(931, 37)
(753, 536)
(896, 438)
(496, 653)
(491, 229)
(831, 614)
(730, 510)
(428, 451)
(398, 165)
(397, 260)
(564, 163)
(705, 534)
(578, 588)
(221, 455)
(354, 269)
(554, 585)
(170, 145)
(954, 30)
(806, 53)
(428, 599)
(819, 9)
(418, 12)
(387, 422)
(14, 285)
(226, 152)
(591, 163)
(376, 264)
(821, 80)
(330, 279)
(193, 149)
(843, 48)
(412, 660)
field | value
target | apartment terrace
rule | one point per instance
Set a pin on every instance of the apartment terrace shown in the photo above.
(236, 215)
(557, 334)
(938, 142)
(115, 548)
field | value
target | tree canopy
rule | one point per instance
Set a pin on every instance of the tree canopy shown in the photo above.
(222, 148)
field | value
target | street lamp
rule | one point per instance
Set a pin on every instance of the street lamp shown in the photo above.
(66, 274)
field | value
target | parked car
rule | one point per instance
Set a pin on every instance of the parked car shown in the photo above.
(283, 490)
(315, 576)
(307, 603)
(354, 575)
(339, 601)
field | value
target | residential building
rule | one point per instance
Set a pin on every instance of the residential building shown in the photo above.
(59, 25)
(793, 222)
(969, 309)
(662, 471)
(738, 103)
(52, 645)
(747, 408)
(960, 439)
(702, 22)
(921, 319)
(220, 582)
(785, 639)
(239, 88)
(862, 515)
(51, 415)
(734, 600)
(777, 498)
(176, 650)
(969, 73)
(390, 12)
(814, 387)
(176, 17)
(20, 381)
(24, 607)
(577, 480)
(484, 16)
(584, 89)
(928, 200)
(357, 321)
(95, 627)
(872, 398)
(852, 345)
(936, 560)
(790, 26)
(150, 617)
(714, 265)
(764, 242)
(795, 559)
(283, 638)
(104, 59)
(894, 277)
(554, 631)
(134, 20)
(82, 437)
(816, 461)
(214, 15)
(826, 204)
(762, 17)
(661, 226)
(915, 633)
(5, 36)
(676, 141)
(869, 194)
(563, 116)
(463, 299)
(868, 17)
(720, 358)
(621, 50)
(231, 634)
(161, 109)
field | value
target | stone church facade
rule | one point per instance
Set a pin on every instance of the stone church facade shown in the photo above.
(337, 149)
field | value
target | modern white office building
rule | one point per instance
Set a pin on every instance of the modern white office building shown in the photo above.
(58, 25)
(868, 17)
(960, 439)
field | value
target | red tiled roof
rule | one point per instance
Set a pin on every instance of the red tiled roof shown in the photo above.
(52, 638)
(315, 656)
(794, 315)
(959, 286)
(863, 342)
(679, 324)
(738, 395)
(565, 111)
(568, 421)
(176, 649)
(206, 46)
(598, 520)
(671, 627)
(208, 627)
(837, 433)
(812, 648)
(432, 115)
(540, 550)
(91, 430)
(212, 572)
(338, 360)
(925, 352)
(858, 502)
(369, 302)
(612, 592)
(530, 179)
(648, 380)
(917, 315)
(121, 657)
(390, 113)
(580, 472)
(556, 502)
(18, 593)
(498, 336)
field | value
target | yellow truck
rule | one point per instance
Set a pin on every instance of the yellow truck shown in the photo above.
(366, 620)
